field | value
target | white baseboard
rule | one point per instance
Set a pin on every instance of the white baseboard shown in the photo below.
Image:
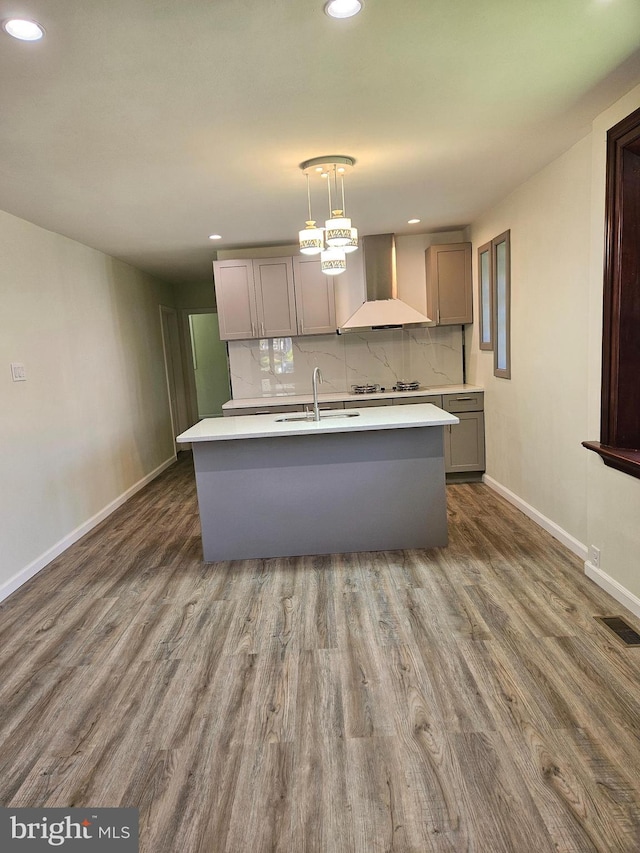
(604, 581)
(531, 512)
(43, 560)
(615, 589)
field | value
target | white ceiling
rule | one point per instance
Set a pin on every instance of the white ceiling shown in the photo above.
(140, 127)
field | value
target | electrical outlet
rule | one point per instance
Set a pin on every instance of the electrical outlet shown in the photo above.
(594, 556)
(18, 373)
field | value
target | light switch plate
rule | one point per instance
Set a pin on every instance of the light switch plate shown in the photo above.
(18, 373)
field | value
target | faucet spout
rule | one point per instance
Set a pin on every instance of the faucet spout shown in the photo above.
(317, 377)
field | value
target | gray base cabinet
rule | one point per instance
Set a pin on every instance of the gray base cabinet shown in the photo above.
(464, 442)
(321, 494)
(434, 399)
(365, 404)
(262, 410)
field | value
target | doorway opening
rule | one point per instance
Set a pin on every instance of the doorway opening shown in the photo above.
(209, 363)
(174, 372)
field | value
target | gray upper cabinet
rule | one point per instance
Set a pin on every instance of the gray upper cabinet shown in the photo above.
(273, 298)
(449, 296)
(255, 298)
(236, 299)
(315, 302)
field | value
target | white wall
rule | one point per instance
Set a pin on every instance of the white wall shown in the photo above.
(536, 421)
(613, 506)
(92, 419)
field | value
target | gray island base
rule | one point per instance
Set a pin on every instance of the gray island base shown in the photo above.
(326, 492)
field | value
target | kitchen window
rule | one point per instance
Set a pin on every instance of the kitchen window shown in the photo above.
(494, 296)
(501, 290)
(484, 296)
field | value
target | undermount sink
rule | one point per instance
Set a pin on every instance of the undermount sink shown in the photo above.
(323, 416)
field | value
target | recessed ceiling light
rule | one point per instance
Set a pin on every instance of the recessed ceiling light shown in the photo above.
(343, 8)
(22, 29)
(215, 236)
(413, 221)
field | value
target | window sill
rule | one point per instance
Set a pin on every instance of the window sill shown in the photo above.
(627, 461)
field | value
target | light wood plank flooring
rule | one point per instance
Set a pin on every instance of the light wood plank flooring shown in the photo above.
(460, 699)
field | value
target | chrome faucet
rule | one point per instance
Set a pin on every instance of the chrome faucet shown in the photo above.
(317, 375)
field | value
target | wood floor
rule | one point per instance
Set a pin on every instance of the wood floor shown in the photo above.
(461, 699)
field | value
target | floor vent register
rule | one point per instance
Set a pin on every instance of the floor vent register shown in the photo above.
(624, 632)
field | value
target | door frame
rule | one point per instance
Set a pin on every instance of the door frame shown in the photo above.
(174, 374)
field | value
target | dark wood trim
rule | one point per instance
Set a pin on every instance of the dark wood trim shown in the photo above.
(619, 316)
(620, 390)
(627, 461)
(485, 345)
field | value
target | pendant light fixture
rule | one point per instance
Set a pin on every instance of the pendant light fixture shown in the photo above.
(311, 238)
(338, 237)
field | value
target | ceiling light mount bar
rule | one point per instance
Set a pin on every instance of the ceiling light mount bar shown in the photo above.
(326, 164)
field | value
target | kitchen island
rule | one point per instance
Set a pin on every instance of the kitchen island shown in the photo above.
(364, 480)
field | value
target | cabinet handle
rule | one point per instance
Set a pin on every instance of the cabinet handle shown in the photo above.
(460, 399)
(438, 316)
(253, 330)
(262, 329)
(302, 327)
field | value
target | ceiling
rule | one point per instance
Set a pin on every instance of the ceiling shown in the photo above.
(141, 127)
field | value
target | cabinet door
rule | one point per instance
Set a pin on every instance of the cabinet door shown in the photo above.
(435, 400)
(464, 443)
(449, 298)
(262, 410)
(471, 401)
(235, 298)
(325, 407)
(367, 403)
(315, 302)
(275, 298)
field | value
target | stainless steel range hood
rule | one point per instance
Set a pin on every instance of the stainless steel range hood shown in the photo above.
(382, 309)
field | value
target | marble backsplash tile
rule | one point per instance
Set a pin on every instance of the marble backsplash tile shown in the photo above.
(281, 366)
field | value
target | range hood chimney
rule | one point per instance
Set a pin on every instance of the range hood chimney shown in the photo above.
(382, 309)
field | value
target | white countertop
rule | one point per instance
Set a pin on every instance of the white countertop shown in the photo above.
(340, 396)
(267, 426)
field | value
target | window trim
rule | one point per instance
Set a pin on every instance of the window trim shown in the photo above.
(505, 237)
(612, 447)
(485, 330)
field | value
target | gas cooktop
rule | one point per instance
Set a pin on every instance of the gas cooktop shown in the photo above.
(369, 388)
